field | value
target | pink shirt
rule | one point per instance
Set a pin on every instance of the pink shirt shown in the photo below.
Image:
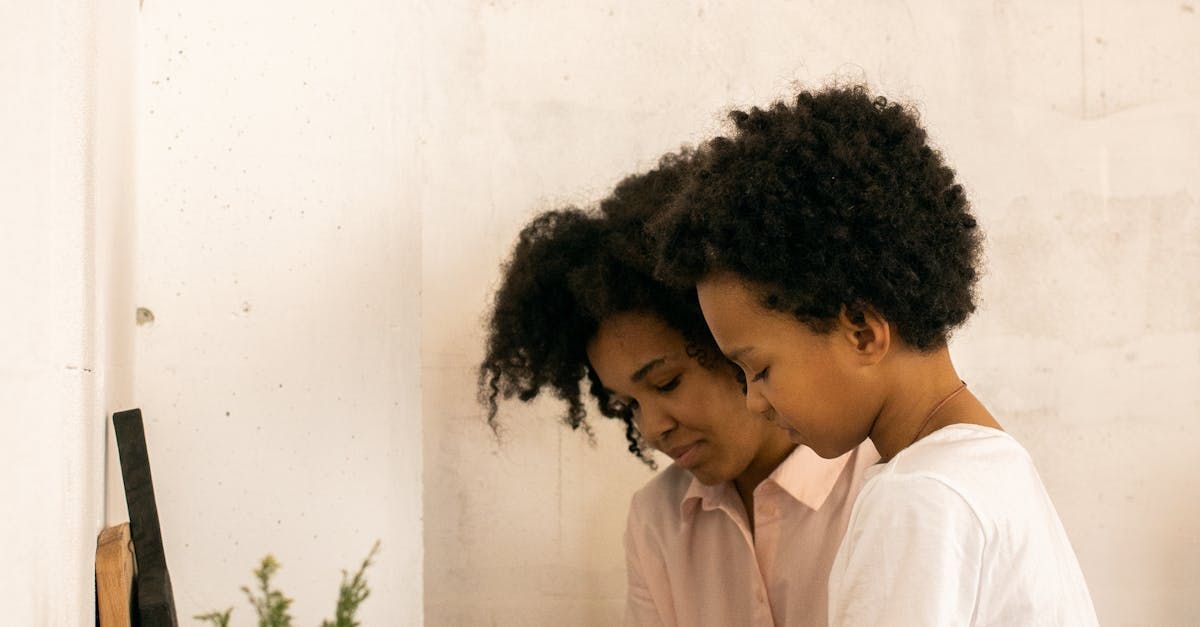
(692, 559)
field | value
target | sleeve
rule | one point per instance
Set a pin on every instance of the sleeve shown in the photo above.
(640, 610)
(913, 555)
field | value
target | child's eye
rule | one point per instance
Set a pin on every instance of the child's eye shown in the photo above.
(761, 376)
(669, 385)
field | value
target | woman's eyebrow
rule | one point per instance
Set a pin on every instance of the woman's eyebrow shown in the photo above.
(646, 368)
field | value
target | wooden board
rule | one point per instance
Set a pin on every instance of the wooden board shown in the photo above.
(114, 576)
(155, 599)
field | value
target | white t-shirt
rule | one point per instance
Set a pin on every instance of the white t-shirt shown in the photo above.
(957, 529)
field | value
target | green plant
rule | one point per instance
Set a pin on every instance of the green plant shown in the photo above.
(351, 594)
(220, 619)
(271, 605)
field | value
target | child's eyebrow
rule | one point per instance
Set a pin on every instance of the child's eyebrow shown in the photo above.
(645, 369)
(738, 352)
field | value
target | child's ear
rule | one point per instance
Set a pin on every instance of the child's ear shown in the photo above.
(867, 332)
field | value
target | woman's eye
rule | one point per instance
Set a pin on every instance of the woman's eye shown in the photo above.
(669, 385)
(761, 376)
(621, 407)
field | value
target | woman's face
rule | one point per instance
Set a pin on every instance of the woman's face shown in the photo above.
(820, 386)
(697, 416)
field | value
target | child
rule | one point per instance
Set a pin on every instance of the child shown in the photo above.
(743, 527)
(833, 254)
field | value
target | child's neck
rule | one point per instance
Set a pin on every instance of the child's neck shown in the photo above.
(920, 382)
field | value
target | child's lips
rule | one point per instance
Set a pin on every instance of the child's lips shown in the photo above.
(793, 434)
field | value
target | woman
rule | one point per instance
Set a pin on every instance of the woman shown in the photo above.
(833, 253)
(743, 527)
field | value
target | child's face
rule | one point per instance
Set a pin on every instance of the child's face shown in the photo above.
(696, 415)
(818, 385)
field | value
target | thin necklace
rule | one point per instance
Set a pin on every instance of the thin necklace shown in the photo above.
(935, 410)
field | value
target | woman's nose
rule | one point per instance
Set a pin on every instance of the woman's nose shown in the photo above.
(653, 422)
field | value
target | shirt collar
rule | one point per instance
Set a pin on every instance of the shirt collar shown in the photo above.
(806, 476)
(708, 497)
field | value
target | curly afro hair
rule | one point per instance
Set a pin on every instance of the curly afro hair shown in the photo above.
(833, 202)
(569, 271)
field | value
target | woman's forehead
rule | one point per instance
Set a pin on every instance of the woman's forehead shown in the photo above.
(636, 336)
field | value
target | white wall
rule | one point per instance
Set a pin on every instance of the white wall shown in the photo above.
(1075, 128)
(313, 200)
(65, 184)
(278, 249)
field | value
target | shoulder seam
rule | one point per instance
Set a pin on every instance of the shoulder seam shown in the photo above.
(921, 476)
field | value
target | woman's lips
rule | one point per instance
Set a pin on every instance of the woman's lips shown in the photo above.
(687, 456)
